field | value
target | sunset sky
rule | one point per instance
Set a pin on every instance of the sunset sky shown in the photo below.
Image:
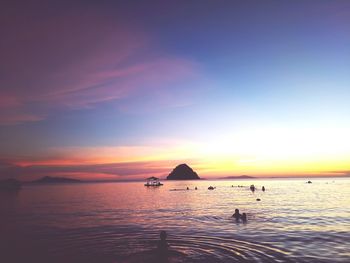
(128, 89)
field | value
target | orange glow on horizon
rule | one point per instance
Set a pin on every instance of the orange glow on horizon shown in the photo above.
(268, 152)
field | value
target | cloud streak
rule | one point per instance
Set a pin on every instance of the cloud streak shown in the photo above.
(77, 60)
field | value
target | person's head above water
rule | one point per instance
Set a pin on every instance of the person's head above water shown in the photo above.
(163, 235)
(236, 214)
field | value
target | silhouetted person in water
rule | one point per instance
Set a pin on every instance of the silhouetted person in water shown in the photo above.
(263, 188)
(188, 188)
(195, 188)
(236, 215)
(244, 218)
(252, 188)
(163, 246)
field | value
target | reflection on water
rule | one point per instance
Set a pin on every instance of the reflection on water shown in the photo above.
(120, 222)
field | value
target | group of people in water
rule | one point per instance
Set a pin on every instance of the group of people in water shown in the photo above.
(243, 217)
(253, 188)
(239, 217)
(163, 245)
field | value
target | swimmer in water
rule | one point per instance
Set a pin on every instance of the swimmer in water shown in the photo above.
(252, 188)
(236, 215)
(163, 244)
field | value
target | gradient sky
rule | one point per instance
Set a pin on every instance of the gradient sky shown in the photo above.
(127, 89)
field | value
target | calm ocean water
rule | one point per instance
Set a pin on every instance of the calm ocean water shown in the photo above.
(120, 222)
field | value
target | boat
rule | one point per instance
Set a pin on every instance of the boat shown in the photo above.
(153, 181)
(211, 188)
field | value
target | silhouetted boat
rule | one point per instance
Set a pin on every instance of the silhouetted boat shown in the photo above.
(211, 188)
(153, 181)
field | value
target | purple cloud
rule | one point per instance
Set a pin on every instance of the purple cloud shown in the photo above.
(75, 60)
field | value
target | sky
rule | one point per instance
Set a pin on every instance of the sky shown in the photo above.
(124, 90)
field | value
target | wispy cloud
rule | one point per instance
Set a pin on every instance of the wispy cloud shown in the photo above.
(338, 173)
(67, 61)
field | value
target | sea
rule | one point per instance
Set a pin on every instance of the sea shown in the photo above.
(294, 221)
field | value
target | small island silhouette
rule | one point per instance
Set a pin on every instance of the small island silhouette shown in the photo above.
(183, 172)
(54, 180)
(239, 177)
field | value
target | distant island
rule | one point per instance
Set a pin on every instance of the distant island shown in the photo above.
(183, 172)
(55, 180)
(239, 177)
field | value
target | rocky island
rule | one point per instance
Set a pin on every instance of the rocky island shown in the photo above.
(55, 180)
(183, 172)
